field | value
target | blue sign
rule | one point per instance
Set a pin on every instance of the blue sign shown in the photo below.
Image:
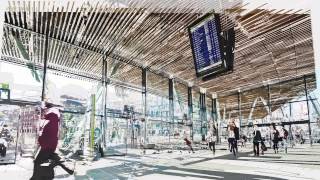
(205, 42)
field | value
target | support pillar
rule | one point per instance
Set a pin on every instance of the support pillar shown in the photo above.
(214, 114)
(239, 110)
(171, 107)
(190, 109)
(105, 85)
(200, 112)
(45, 65)
(144, 101)
(203, 113)
(290, 119)
(269, 102)
(307, 100)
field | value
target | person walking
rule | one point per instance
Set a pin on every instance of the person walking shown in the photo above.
(243, 141)
(285, 135)
(189, 144)
(48, 140)
(186, 133)
(233, 136)
(275, 139)
(212, 138)
(256, 140)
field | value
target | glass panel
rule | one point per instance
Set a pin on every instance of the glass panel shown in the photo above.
(180, 101)
(9, 133)
(158, 125)
(73, 94)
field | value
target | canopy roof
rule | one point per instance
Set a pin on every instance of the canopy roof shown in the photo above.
(272, 45)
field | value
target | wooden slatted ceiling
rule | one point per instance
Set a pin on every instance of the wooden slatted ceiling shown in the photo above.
(270, 44)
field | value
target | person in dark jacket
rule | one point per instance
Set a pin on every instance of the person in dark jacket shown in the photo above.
(275, 138)
(233, 136)
(237, 136)
(48, 139)
(256, 140)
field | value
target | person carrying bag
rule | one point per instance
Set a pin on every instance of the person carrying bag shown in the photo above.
(256, 140)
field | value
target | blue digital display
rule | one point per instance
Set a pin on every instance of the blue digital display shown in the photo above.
(205, 44)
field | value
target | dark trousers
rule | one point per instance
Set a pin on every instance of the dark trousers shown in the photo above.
(275, 145)
(233, 144)
(256, 148)
(230, 141)
(41, 158)
(188, 143)
(212, 146)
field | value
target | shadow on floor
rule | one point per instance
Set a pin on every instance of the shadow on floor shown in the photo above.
(136, 170)
(228, 157)
(312, 163)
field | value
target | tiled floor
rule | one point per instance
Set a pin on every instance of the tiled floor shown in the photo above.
(302, 162)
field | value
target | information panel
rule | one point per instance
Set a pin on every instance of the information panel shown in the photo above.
(205, 42)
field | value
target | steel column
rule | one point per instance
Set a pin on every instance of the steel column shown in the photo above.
(239, 109)
(269, 102)
(144, 101)
(290, 119)
(202, 111)
(190, 109)
(307, 99)
(105, 84)
(171, 105)
(215, 115)
(205, 112)
(45, 66)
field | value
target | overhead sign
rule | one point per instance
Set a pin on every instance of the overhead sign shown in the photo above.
(206, 43)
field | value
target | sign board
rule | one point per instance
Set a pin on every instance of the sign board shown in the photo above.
(206, 44)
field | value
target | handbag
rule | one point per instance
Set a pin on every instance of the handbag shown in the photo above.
(264, 147)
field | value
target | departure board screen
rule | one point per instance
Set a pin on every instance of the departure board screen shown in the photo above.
(205, 41)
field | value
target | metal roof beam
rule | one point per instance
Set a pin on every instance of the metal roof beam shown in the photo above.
(97, 51)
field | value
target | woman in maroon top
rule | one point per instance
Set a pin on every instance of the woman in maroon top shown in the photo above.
(48, 139)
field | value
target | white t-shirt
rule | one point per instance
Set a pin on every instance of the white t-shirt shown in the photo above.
(231, 134)
(211, 137)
